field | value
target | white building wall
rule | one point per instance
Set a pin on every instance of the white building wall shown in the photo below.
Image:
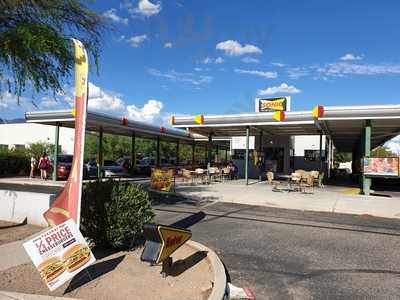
(307, 142)
(26, 133)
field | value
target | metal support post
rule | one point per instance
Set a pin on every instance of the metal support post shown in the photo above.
(320, 152)
(177, 153)
(209, 152)
(158, 158)
(366, 185)
(246, 163)
(133, 152)
(100, 158)
(260, 147)
(193, 153)
(56, 145)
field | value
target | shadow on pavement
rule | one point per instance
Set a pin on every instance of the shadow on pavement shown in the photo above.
(289, 221)
(190, 221)
(180, 266)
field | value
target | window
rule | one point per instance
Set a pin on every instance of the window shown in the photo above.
(3, 147)
(19, 147)
(313, 155)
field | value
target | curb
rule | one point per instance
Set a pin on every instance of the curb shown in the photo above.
(217, 292)
(20, 296)
(220, 281)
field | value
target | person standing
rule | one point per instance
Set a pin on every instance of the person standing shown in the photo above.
(33, 167)
(43, 165)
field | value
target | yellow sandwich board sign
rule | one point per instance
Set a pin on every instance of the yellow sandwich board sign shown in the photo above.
(162, 241)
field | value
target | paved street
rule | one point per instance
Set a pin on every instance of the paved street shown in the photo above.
(290, 254)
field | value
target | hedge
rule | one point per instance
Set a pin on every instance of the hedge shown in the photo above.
(113, 213)
(14, 163)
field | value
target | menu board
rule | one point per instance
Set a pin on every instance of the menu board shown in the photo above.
(381, 166)
(59, 253)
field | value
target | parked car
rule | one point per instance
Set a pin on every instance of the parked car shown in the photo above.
(145, 165)
(112, 169)
(91, 168)
(64, 164)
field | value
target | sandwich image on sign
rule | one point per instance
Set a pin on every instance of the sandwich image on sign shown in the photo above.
(51, 268)
(76, 257)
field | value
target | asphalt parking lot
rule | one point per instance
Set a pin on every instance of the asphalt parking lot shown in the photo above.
(291, 254)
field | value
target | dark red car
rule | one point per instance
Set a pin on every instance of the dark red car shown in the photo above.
(64, 164)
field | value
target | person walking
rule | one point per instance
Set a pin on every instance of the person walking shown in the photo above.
(33, 167)
(43, 165)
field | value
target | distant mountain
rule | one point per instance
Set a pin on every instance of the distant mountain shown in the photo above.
(12, 121)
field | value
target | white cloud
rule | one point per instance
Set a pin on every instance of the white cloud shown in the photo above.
(284, 88)
(144, 9)
(234, 48)
(198, 69)
(297, 72)
(351, 56)
(48, 102)
(207, 60)
(112, 103)
(343, 68)
(121, 38)
(112, 15)
(250, 60)
(269, 75)
(168, 45)
(148, 113)
(276, 64)
(9, 101)
(394, 145)
(104, 101)
(137, 40)
(190, 78)
(219, 60)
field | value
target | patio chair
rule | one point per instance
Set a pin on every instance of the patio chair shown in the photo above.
(270, 180)
(321, 180)
(300, 172)
(307, 182)
(201, 174)
(187, 176)
(225, 173)
(214, 173)
(315, 175)
(295, 179)
(270, 177)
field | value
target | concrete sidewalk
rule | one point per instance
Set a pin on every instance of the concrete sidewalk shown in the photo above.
(328, 199)
(19, 296)
(13, 254)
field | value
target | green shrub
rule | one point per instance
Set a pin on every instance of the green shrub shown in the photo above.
(113, 213)
(127, 212)
(14, 162)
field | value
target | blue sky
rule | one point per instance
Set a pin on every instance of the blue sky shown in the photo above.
(189, 57)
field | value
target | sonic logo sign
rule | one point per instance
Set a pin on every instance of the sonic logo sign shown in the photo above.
(162, 241)
(273, 104)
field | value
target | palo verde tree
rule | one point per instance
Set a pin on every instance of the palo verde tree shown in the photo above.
(35, 42)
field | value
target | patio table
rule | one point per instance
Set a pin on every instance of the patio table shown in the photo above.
(287, 185)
